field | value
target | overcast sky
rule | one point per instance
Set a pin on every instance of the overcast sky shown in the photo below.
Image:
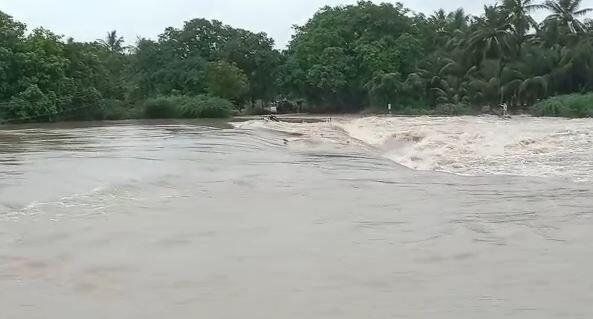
(87, 20)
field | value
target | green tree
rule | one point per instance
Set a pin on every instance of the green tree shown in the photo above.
(226, 80)
(333, 57)
(33, 105)
(255, 55)
(12, 37)
(178, 61)
(385, 89)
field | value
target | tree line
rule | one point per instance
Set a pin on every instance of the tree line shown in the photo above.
(344, 59)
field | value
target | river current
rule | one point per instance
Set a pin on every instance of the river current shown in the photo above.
(371, 217)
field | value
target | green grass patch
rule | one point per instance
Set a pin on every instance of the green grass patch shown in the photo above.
(570, 105)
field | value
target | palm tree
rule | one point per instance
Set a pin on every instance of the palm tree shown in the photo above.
(458, 19)
(445, 23)
(113, 42)
(491, 39)
(444, 79)
(523, 82)
(438, 20)
(518, 12)
(566, 13)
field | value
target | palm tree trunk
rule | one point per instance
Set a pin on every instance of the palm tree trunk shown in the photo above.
(501, 66)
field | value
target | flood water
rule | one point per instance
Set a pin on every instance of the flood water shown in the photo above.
(357, 218)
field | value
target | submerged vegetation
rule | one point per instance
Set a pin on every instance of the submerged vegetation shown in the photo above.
(344, 59)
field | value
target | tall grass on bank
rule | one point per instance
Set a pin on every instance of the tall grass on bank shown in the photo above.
(201, 106)
(571, 105)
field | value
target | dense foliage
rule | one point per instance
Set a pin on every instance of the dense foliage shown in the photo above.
(370, 55)
(205, 68)
(345, 58)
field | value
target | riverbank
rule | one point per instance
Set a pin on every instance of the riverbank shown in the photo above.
(568, 106)
(185, 107)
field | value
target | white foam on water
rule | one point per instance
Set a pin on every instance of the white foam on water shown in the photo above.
(524, 146)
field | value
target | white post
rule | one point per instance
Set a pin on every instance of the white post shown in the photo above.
(389, 108)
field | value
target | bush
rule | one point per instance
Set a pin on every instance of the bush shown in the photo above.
(226, 80)
(112, 110)
(571, 105)
(100, 110)
(201, 106)
(32, 105)
(162, 108)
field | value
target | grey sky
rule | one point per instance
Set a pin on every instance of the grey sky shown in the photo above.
(91, 19)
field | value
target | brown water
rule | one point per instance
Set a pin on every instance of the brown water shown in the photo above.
(202, 220)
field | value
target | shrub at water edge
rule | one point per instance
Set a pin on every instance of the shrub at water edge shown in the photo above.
(570, 105)
(201, 106)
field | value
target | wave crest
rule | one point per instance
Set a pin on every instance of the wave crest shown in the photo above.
(525, 146)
